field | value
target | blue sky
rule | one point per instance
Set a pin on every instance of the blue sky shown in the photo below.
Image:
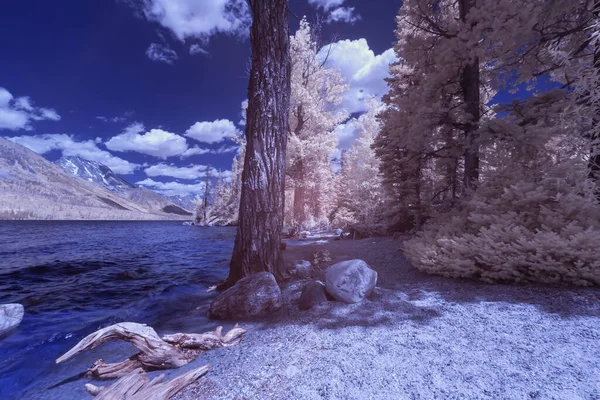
(154, 88)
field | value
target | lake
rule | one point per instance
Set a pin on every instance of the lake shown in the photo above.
(74, 277)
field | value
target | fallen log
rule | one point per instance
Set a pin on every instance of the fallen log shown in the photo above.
(172, 351)
(136, 386)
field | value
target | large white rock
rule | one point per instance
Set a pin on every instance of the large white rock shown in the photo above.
(253, 296)
(11, 315)
(350, 281)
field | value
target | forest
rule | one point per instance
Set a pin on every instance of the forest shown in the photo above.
(486, 146)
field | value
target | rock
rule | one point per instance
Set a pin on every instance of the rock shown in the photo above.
(302, 269)
(253, 296)
(11, 315)
(313, 294)
(350, 281)
(304, 234)
(338, 232)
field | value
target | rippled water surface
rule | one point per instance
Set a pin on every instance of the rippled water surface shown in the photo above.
(75, 277)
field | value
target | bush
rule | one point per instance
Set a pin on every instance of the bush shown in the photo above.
(544, 230)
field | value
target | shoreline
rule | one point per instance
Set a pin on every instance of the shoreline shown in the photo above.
(416, 336)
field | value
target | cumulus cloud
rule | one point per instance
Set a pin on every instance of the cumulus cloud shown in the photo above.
(170, 170)
(156, 142)
(197, 49)
(362, 69)
(16, 114)
(161, 53)
(173, 188)
(343, 14)
(69, 146)
(212, 132)
(196, 19)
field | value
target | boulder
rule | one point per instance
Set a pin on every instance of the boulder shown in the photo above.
(302, 269)
(350, 281)
(11, 316)
(313, 294)
(253, 296)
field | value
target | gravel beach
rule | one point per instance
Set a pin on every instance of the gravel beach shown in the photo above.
(416, 337)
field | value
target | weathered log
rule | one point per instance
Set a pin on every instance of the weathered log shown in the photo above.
(136, 386)
(208, 340)
(155, 353)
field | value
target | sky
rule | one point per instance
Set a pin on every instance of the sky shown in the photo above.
(154, 89)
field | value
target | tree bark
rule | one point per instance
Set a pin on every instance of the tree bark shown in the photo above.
(469, 81)
(256, 247)
(594, 160)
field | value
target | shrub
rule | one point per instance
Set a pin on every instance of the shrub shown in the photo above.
(545, 230)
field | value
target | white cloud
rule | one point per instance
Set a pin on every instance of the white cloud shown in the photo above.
(191, 172)
(346, 133)
(48, 113)
(161, 53)
(197, 19)
(362, 69)
(69, 146)
(335, 11)
(244, 109)
(156, 142)
(116, 119)
(212, 132)
(343, 14)
(326, 4)
(173, 188)
(23, 103)
(194, 151)
(197, 49)
(16, 114)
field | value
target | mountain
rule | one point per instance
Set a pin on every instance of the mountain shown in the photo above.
(155, 201)
(32, 187)
(100, 174)
(185, 202)
(95, 172)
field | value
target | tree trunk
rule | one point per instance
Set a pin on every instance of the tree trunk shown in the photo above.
(256, 246)
(594, 160)
(469, 81)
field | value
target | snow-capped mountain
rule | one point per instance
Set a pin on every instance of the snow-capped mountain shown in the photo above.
(100, 174)
(96, 173)
(32, 187)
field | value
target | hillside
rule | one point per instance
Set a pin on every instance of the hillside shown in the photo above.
(32, 187)
(102, 175)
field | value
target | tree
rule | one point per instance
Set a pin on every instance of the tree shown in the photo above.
(360, 192)
(257, 243)
(316, 91)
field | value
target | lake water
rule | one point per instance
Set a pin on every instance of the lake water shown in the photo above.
(76, 277)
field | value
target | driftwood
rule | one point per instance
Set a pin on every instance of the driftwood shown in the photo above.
(136, 386)
(172, 351)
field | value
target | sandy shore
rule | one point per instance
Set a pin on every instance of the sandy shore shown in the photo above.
(416, 337)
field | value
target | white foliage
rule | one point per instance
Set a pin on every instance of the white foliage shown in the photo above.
(517, 230)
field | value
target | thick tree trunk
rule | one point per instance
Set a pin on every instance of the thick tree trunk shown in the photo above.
(594, 161)
(470, 86)
(256, 246)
